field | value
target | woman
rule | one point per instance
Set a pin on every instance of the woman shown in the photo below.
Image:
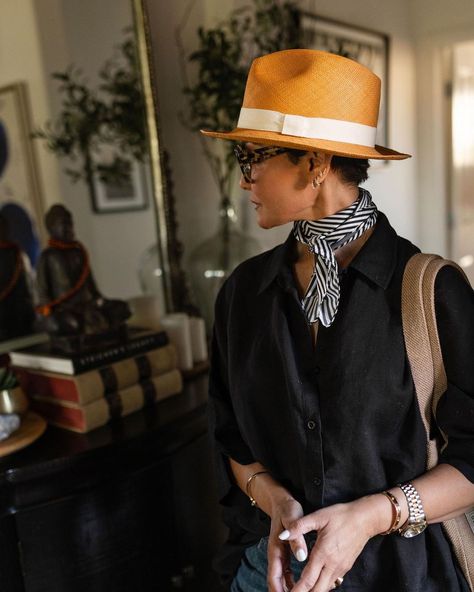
(312, 402)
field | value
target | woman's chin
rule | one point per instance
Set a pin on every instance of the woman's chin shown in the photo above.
(267, 223)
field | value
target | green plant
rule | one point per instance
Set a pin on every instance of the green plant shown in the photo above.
(221, 62)
(109, 118)
(8, 380)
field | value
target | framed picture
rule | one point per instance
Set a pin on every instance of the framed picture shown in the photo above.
(367, 47)
(19, 181)
(125, 196)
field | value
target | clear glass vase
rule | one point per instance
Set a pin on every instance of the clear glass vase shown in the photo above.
(212, 261)
(150, 275)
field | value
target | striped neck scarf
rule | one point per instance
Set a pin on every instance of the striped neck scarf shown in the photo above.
(323, 237)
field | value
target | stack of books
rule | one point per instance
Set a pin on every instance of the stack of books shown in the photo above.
(85, 391)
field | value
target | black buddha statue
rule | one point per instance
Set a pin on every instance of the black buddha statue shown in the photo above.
(70, 302)
(17, 314)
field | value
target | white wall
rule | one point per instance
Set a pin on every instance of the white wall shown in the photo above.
(393, 185)
(437, 25)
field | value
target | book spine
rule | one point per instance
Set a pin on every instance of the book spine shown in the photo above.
(89, 386)
(91, 361)
(84, 418)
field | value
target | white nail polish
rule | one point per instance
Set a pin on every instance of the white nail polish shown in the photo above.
(300, 554)
(284, 536)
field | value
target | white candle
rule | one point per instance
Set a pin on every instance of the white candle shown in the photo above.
(177, 327)
(146, 312)
(198, 339)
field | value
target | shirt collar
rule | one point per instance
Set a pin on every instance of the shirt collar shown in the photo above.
(376, 260)
(279, 261)
(378, 257)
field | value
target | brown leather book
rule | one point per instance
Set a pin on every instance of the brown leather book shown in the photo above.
(89, 386)
(84, 418)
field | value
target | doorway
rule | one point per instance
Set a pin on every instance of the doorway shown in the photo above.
(460, 141)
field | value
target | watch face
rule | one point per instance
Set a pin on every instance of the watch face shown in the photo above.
(413, 530)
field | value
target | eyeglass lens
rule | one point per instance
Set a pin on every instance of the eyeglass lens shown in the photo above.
(247, 158)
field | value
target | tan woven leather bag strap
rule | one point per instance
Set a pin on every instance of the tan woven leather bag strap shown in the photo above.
(429, 376)
(417, 343)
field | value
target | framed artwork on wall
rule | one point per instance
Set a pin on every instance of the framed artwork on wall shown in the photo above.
(19, 181)
(365, 46)
(126, 196)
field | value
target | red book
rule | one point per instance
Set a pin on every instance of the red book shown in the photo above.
(84, 418)
(90, 386)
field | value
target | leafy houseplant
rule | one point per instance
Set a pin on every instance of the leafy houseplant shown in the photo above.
(110, 116)
(12, 397)
(8, 379)
(222, 60)
(214, 96)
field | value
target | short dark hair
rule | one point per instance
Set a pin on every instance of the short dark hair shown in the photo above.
(352, 171)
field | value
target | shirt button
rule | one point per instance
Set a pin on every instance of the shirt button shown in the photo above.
(317, 481)
(311, 425)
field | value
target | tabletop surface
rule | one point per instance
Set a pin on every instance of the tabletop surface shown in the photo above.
(167, 423)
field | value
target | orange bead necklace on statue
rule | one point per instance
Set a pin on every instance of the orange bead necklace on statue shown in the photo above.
(16, 272)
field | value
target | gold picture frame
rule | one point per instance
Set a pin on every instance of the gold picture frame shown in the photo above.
(19, 179)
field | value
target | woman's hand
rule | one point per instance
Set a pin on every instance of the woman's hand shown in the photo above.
(285, 513)
(343, 531)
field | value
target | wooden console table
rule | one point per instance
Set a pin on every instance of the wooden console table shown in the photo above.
(130, 507)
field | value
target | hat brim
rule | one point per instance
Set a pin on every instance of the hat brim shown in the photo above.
(298, 143)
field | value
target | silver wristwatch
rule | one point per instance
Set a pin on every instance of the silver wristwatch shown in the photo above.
(416, 522)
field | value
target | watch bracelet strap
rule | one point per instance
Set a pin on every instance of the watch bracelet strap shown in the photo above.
(415, 506)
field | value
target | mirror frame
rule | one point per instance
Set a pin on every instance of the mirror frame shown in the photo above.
(169, 247)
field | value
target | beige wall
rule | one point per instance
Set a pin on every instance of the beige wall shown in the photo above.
(38, 37)
(21, 61)
(85, 34)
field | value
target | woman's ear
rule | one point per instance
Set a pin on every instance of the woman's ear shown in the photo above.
(320, 162)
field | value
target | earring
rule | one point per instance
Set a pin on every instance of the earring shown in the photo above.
(315, 183)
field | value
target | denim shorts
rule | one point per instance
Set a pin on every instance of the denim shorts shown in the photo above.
(252, 573)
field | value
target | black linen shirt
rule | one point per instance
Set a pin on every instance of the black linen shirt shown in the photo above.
(338, 420)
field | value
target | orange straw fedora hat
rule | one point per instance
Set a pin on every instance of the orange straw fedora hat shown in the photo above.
(311, 100)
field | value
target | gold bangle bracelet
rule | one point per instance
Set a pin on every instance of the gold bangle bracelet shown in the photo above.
(397, 512)
(247, 487)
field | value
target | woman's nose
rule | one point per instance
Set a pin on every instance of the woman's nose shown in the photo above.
(245, 184)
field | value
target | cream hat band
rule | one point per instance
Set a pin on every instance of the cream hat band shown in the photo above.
(307, 127)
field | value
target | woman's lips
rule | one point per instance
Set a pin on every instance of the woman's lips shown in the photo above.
(255, 203)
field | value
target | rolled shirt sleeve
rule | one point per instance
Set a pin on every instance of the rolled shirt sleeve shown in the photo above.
(454, 302)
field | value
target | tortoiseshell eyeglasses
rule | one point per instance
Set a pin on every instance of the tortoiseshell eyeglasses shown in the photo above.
(247, 158)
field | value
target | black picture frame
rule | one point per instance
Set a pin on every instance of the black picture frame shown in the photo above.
(368, 47)
(131, 195)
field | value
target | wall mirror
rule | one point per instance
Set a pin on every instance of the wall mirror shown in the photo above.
(123, 225)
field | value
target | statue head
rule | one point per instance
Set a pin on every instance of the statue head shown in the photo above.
(59, 223)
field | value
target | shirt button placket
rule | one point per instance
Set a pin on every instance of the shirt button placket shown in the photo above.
(314, 462)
